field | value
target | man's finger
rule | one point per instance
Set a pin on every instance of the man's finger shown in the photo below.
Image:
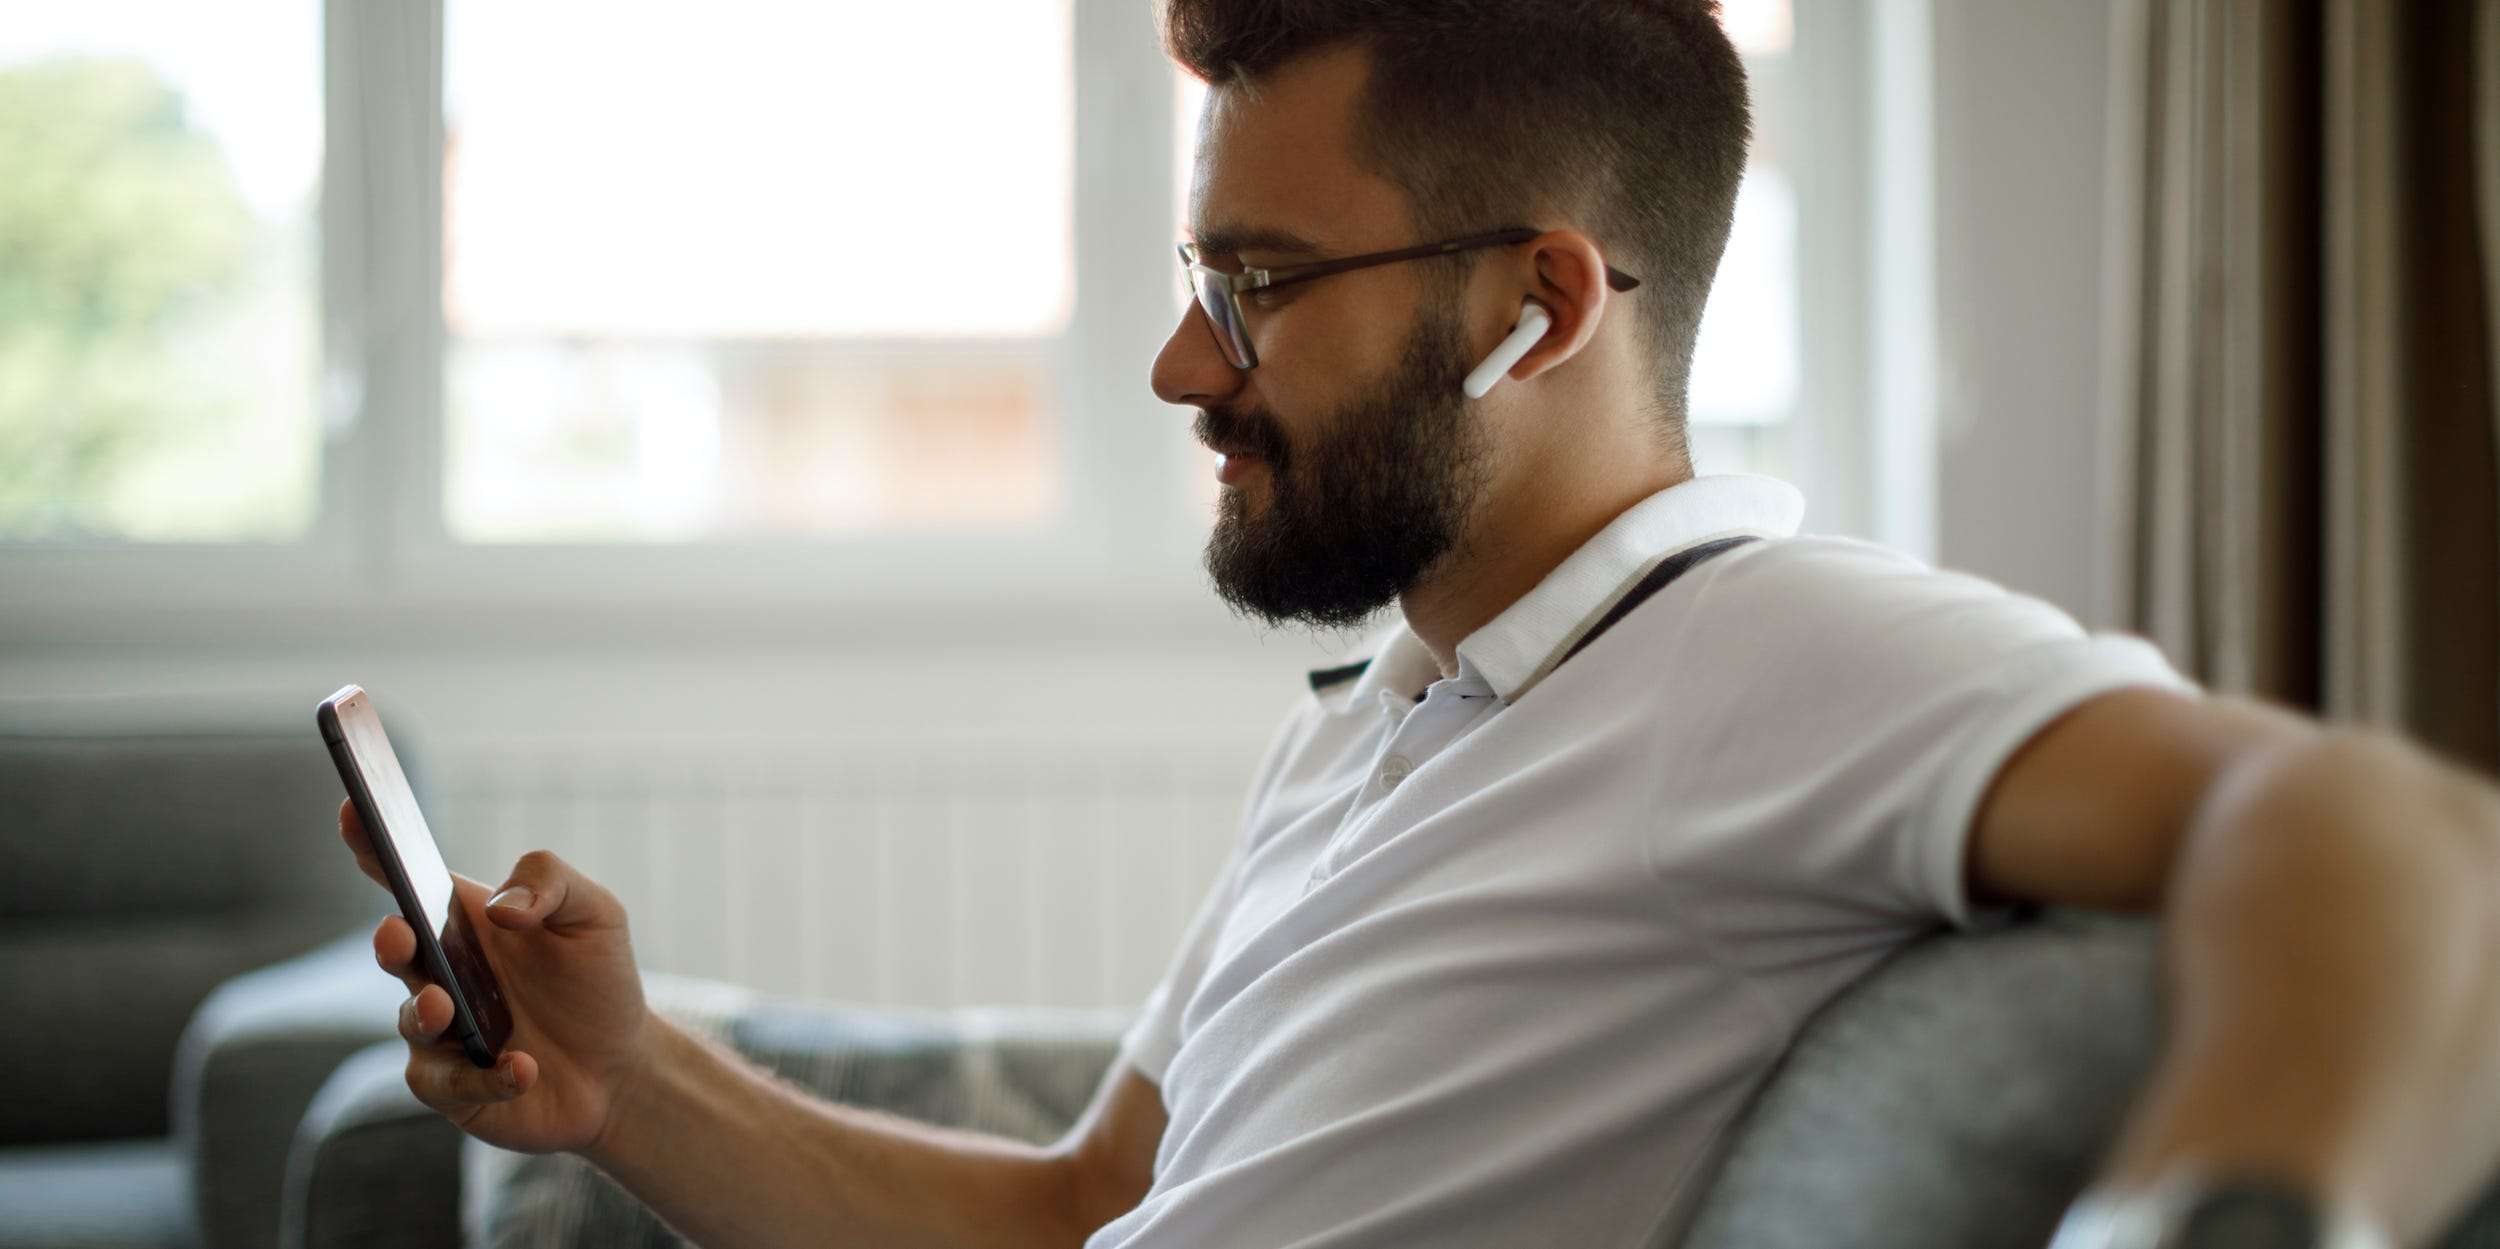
(352, 828)
(352, 831)
(423, 1017)
(395, 951)
(444, 1079)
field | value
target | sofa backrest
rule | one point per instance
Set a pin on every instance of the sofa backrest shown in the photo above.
(138, 870)
(1960, 1097)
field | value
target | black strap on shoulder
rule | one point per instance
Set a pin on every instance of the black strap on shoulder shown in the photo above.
(1668, 570)
(1326, 677)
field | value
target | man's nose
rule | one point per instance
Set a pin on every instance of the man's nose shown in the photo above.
(1191, 370)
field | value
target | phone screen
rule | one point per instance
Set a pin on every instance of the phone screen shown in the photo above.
(370, 747)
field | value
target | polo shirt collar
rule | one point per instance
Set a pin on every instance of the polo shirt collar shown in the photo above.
(1514, 650)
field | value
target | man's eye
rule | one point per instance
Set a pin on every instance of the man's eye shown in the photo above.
(1263, 297)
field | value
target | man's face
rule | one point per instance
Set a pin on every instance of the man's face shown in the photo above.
(1358, 463)
(1336, 520)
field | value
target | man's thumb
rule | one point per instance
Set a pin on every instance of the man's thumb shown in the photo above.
(545, 891)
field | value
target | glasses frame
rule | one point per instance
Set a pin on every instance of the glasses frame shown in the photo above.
(1231, 329)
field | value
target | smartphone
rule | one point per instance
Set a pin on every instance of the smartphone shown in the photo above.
(447, 947)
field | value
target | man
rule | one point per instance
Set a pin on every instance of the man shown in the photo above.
(1530, 900)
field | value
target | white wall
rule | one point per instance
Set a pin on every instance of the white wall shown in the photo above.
(2021, 96)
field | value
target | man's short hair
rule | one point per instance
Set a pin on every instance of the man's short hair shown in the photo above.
(1627, 119)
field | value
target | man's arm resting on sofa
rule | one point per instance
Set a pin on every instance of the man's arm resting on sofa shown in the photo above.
(2330, 902)
(733, 1157)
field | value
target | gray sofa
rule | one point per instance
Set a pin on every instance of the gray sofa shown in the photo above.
(1956, 1098)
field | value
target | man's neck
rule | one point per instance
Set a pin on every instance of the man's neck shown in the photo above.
(1511, 549)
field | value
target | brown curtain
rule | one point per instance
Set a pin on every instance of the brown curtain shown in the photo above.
(2308, 235)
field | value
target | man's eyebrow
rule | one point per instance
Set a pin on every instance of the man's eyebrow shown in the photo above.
(1234, 240)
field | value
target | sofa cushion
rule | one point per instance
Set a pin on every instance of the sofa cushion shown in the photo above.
(170, 824)
(372, 1167)
(249, 1064)
(112, 994)
(1957, 1097)
(138, 869)
(112, 1195)
(1960, 1097)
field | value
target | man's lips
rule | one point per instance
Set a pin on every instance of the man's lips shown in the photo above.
(1230, 465)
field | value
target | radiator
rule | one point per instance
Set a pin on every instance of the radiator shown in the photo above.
(930, 876)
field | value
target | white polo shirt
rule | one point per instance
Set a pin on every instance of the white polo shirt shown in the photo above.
(1503, 966)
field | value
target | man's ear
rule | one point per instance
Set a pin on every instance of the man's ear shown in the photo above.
(1570, 281)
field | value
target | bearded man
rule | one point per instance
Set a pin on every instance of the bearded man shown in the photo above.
(1530, 899)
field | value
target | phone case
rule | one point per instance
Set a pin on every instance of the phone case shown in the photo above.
(458, 963)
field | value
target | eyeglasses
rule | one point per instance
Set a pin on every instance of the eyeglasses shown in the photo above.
(1219, 292)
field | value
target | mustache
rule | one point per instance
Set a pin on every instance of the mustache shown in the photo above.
(1247, 433)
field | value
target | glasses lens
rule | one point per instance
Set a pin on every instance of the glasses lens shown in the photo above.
(1217, 303)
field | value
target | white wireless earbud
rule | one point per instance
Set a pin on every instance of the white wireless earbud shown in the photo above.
(1533, 322)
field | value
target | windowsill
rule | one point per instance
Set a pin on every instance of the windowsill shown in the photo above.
(703, 596)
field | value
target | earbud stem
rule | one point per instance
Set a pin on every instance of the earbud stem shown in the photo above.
(1533, 322)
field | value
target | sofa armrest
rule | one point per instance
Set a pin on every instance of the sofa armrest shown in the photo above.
(249, 1062)
(1959, 1097)
(372, 1167)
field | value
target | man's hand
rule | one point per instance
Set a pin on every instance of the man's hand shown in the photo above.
(557, 943)
(729, 1155)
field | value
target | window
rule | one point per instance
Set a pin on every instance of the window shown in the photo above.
(558, 304)
(754, 268)
(1747, 359)
(157, 327)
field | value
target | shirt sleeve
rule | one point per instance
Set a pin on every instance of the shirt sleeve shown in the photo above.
(1155, 1036)
(1848, 707)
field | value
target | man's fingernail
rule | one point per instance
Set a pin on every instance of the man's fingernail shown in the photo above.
(509, 1075)
(517, 897)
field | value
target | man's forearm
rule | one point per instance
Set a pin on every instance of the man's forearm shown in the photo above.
(734, 1158)
(2334, 996)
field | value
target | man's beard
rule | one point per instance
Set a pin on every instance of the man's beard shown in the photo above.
(1362, 509)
